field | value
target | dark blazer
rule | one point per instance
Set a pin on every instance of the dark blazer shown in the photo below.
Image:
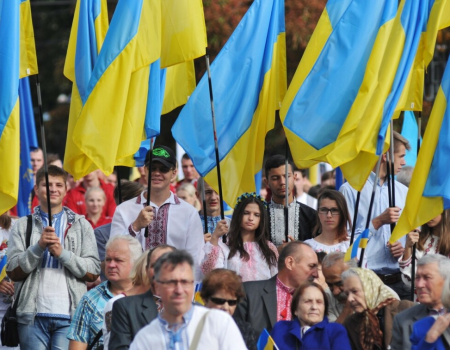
(130, 314)
(403, 326)
(420, 330)
(323, 335)
(259, 307)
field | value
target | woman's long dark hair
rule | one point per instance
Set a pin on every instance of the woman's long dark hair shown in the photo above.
(344, 216)
(261, 233)
(442, 230)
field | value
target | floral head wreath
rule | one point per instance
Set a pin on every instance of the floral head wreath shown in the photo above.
(248, 195)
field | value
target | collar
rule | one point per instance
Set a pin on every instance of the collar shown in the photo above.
(71, 216)
(173, 199)
(281, 206)
(285, 288)
(436, 312)
(186, 317)
(371, 180)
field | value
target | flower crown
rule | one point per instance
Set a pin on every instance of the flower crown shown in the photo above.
(252, 194)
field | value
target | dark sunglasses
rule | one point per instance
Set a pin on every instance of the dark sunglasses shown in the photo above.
(162, 169)
(219, 301)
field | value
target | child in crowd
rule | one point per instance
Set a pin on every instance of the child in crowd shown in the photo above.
(247, 250)
(330, 233)
(433, 238)
(95, 201)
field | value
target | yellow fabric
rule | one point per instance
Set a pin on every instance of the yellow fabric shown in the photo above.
(183, 33)
(180, 83)
(245, 159)
(418, 209)
(10, 156)
(28, 60)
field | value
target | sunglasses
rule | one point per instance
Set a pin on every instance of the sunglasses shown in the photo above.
(219, 301)
(162, 169)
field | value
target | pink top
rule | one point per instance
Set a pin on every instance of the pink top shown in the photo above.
(255, 269)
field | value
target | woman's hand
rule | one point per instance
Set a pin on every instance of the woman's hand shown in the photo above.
(207, 237)
(412, 237)
(441, 324)
(6, 287)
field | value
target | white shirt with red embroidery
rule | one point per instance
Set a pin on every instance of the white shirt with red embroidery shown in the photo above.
(255, 269)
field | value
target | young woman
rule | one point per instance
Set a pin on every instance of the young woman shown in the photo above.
(330, 233)
(187, 193)
(95, 201)
(247, 250)
(433, 238)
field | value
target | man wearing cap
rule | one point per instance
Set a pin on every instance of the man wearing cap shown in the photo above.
(169, 219)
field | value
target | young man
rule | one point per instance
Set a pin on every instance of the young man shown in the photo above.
(190, 173)
(180, 319)
(169, 219)
(51, 273)
(302, 196)
(380, 256)
(302, 218)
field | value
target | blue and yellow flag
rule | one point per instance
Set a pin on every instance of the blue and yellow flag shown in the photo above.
(17, 59)
(110, 127)
(265, 341)
(429, 191)
(410, 131)
(248, 82)
(89, 27)
(329, 77)
(3, 267)
(28, 142)
(360, 242)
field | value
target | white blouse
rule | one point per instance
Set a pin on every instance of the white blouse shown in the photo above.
(319, 247)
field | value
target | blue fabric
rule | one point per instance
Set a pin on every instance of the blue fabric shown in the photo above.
(45, 333)
(410, 130)
(379, 257)
(420, 330)
(59, 223)
(323, 335)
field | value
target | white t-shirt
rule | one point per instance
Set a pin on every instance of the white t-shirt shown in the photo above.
(107, 317)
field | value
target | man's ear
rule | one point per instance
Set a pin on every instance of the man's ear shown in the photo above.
(266, 182)
(384, 158)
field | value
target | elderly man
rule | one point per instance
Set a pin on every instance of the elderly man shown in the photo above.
(332, 267)
(192, 326)
(269, 301)
(133, 313)
(430, 277)
(121, 253)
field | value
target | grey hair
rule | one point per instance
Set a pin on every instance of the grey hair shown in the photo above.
(445, 296)
(349, 273)
(133, 244)
(405, 174)
(333, 257)
(173, 259)
(442, 262)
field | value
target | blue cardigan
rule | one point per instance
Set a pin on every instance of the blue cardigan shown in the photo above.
(420, 330)
(323, 336)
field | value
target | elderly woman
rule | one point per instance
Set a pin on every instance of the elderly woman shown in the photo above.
(310, 328)
(433, 333)
(222, 289)
(374, 305)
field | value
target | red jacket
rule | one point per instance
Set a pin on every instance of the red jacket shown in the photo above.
(102, 221)
(75, 199)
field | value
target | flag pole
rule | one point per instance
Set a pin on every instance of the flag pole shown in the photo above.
(413, 255)
(202, 194)
(286, 196)
(392, 159)
(216, 144)
(355, 216)
(44, 148)
(372, 198)
(149, 180)
(119, 185)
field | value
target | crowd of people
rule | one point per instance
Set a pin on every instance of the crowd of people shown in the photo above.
(168, 272)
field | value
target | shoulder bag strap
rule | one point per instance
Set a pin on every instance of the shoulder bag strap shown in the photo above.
(96, 339)
(198, 332)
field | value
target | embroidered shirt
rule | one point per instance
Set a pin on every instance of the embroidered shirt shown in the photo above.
(277, 221)
(176, 335)
(284, 298)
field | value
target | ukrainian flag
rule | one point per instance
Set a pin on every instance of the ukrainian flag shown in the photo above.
(329, 77)
(248, 82)
(3, 268)
(110, 127)
(360, 242)
(265, 341)
(17, 59)
(429, 191)
(89, 27)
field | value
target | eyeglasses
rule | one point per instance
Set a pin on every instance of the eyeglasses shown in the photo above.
(161, 169)
(333, 211)
(185, 284)
(220, 301)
